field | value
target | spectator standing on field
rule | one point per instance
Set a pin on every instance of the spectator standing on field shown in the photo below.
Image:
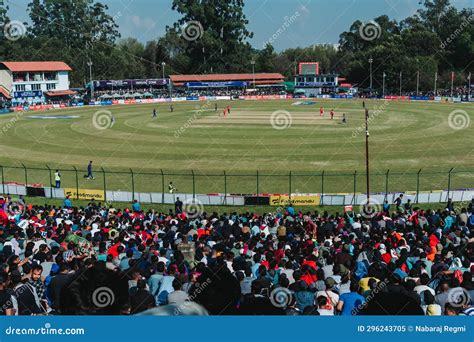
(57, 179)
(89, 171)
(171, 188)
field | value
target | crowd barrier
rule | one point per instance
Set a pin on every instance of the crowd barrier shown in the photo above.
(225, 98)
(338, 199)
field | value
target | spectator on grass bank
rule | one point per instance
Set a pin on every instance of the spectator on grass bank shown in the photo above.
(178, 206)
(67, 203)
(136, 206)
(57, 179)
(290, 262)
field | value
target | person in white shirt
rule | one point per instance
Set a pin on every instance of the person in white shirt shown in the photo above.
(324, 308)
(178, 296)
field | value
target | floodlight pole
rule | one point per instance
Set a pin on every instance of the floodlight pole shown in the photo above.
(367, 153)
(436, 83)
(253, 73)
(89, 63)
(418, 83)
(371, 61)
(469, 88)
(401, 75)
(383, 85)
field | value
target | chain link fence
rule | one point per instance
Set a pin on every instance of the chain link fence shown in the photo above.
(258, 182)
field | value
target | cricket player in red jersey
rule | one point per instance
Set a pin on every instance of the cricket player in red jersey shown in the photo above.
(321, 111)
(225, 113)
(332, 114)
(228, 109)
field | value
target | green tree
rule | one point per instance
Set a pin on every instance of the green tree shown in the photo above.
(81, 30)
(215, 34)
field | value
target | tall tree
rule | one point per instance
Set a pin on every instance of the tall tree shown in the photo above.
(81, 30)
(215, 34)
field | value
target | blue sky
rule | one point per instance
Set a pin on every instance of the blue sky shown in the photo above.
(317, 21)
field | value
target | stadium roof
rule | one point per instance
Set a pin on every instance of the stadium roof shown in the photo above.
(4, 92)
(36, 66)
(262, 78)
(60, 93)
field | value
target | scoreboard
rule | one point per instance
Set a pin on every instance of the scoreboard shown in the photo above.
(309, 68)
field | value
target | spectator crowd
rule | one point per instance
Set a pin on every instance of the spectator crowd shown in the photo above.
(99, 259)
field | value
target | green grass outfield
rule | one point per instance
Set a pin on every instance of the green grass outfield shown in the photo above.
(405, 136)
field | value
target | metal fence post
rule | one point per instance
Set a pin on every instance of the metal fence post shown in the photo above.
(26, 174)
(386, 183)
(258, 196)
(449, 181)
(322, 189)
(355, 187)
(162, 187)
(133, 185)
(194, 184)
(225, 188)
(418, 185)
(105, 184)
(289, 185)
(50, 182)
(77, 183)
(3, 180)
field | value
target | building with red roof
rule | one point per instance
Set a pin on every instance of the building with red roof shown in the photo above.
(35, 81)
(226, 80)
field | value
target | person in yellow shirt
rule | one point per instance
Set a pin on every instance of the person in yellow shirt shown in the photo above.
(57, 179)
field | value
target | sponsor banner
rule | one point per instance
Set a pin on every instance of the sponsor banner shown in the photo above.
(315, 84)
(236, 84)
(262, 97)
(400, 98)
(438, 98)
(106, 103)
(281, 200)
(129, 83)
(192, 98)
(342, 96)
(85, 194)
(33, 93)
(348, 208)
(421, 98)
